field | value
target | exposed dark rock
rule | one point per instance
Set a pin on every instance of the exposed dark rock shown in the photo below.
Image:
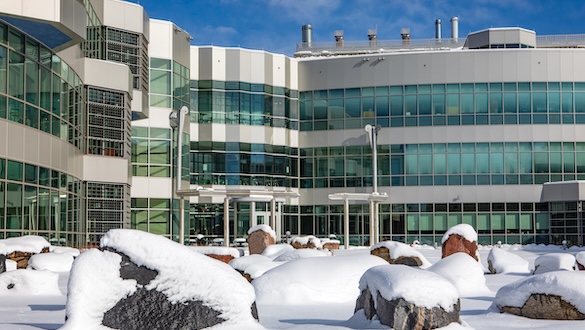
(544, 306)
(258, 240)
(384, 253)
(403, 315)
(2, 263)
(129, 270)
(151, 309)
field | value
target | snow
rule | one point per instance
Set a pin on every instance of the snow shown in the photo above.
(182, 276)
(554, 261)
(301, 253)
(30, 244)
(218, 250)
(507, 262)
(274, 250)
(421, 287)
(580, 257)
(464, 230)
(264, 228)
(334, 311)
(464, 272)
(244, 262)
(11, 265)
(258, 269)
(398, 249)
(568, 285)
(55, 262)
(32, 282)
(65, 250)
(314, 280)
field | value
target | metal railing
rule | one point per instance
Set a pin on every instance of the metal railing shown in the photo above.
(392, 46)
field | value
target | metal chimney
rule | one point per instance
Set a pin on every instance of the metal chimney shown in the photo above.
(438, 29)
(338, 38)
(307, 35)
(455, 28)
(405, 34)
(372, 37)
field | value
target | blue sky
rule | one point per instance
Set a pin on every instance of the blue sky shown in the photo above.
(275, 25)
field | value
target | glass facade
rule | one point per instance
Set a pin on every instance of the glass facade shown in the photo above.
(241, 103)
(107, 208)
(442, 164)
(508, 103)
(108, 131)
(151, 151)
(36, 200)
(38, 89)
(158, 216)
(169, 84)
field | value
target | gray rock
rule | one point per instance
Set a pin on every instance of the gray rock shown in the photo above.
(544, 306)
(150, 309)
(402, 315)
(2, 263)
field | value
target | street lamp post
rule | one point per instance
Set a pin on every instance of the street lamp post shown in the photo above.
(177, 121)
(374, 221)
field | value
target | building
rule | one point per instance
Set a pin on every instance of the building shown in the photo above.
(485, 130)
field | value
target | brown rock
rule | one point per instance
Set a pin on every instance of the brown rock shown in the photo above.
(457, 243)
(258, 240)
(384, 253)
(579, 266)
(221, 257)
(298, 245)
(331, 245)
(544, 306)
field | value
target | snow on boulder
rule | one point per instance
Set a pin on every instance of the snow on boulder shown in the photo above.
(580, 258)
(260, 237)
(221, 253)
(557, 295)
(139, 280)
(501, 261)
(65, 250)
(399, 253)
(2, 263)
(29, 282)
(273, 251)
(20, 249)
(241, 264)
(11, 265)
(551, 262)
(460, 238)
(314, 280)
(306, 242)
(403, 297)
(298, 254)
(55, 262)
(464, 273)
(256, 270)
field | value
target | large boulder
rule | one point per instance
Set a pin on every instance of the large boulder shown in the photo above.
(557, 295)
(221, 253)
(399, 253)
(460, 238)
(501, 261)
(20, 249)
(142, 281)
(551, 262)
(580, 260)
(466, 274)
(306, 242)
(260, 237)
(407, 298)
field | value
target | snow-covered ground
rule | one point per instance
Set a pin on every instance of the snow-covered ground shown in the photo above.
(316, 299)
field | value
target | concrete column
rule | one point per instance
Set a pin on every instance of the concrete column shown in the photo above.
(226, 221)
(253, 220)
(182, 221)
(372, 222)
(236, 219)
(272, 213)
(346, 223)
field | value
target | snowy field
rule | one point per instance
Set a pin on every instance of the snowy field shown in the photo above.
(311, 297)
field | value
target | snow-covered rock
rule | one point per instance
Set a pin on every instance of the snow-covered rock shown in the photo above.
(580, 258)
(501, 261)
(460, 238)
(29, 282)
(273, 251)
(301, 253)
(393, 252)
(306, 242)
(558, 295)
(260, 237)
(551, 262)
(464, 273)
(55, 262)
(29, 244)
(144, 281)
(314, 280)
(404, 297)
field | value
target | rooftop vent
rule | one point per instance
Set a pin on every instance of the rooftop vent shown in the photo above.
(405, 34)
(338, 38)
(372, 37)
(307, 37)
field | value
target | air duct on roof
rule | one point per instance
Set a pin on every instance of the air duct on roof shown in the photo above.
(405, 34)
(438, 29)
(455, 28)
(372, 37)
(338, 38)
(307, 37)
